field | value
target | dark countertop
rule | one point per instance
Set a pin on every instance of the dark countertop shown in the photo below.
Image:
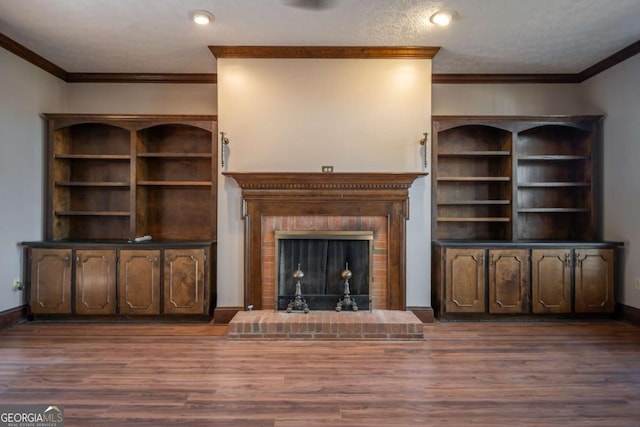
(121, 244)
(527, 243)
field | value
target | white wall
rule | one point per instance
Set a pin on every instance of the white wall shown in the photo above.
(617, 92)
(299, 114)
(142, 98)
(507, 99)
(27, 92)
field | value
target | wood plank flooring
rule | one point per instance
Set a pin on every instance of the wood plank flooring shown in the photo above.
(476, 374)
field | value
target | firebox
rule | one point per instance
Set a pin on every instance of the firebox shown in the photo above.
(324, 258)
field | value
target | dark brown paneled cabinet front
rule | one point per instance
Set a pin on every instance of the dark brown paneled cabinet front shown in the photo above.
(139, 281)
(184, 279)
(594, 280)
(503, 279)
(50, 281)
(508, 281)
(95, 281)
(465, 282)
(551, 280)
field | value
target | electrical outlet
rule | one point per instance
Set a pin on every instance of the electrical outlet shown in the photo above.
(638, 283)
(17, 285)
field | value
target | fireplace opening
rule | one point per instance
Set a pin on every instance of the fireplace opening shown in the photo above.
(323, 257)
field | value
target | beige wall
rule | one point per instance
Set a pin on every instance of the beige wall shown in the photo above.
(507, 99)
(27, 92)
(142, 98)
(300, 114)
(617, 92)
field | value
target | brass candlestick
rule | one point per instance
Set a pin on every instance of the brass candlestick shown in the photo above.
(298, 303)
(346, 300)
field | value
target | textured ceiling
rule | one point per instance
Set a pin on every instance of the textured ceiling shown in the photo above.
(488, 36)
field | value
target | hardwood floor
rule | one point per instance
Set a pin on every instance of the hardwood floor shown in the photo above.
(477, 374)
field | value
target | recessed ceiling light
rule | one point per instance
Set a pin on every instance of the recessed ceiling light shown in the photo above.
(201, 17)
(442, 18)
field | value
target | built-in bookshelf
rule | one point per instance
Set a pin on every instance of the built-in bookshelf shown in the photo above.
(520, 178)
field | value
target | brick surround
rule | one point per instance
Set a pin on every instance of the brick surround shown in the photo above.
(376, 224)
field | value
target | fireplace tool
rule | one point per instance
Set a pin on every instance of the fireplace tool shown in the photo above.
(298, 303)
(346, 300)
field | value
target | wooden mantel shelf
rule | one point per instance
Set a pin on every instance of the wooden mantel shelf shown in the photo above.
(330, 193)
(324, 180)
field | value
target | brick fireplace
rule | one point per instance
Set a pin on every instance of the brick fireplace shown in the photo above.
(320, 224)
(376, 202)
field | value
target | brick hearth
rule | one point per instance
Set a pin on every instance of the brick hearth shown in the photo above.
(365, 325)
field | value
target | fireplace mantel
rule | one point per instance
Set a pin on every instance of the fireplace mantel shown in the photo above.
(330, 193)
(325, 180)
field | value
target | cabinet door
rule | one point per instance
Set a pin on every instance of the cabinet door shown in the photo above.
(465, 284)
(139, 281)
(594, 280)
(508, 280)
(551, 280)
(184, 281)
(51, 281)
(95, 282)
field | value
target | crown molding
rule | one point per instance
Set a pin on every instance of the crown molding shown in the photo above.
(618, 57)
(210, 78)
(440, 78)
(379, 52)
(339, 52)
(32, 57)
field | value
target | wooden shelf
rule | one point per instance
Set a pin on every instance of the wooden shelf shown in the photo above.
(92, 156)
(91, 184)
(552, 158)
(176, 183)
(553, 184)
(474, 219)
(93, 213)
(475, 178)
(116, 177)
(177, 155)
(474, 202)
(478, 153)
(552, 210)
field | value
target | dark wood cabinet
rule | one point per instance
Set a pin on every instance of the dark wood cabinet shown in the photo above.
(139, 281)
(526, 192)
(95, 281)
(594, 280)
(508, 281)
(50, 280)
(588, 271)
(184, 278)
(465, 281)
(112, 179)
(551, 280)
(493, 280)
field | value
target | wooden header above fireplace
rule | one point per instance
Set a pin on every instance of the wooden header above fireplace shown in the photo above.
(330, 193)
(329, 187)
(325, 180)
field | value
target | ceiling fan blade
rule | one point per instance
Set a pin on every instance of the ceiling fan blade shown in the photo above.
(311, 4)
